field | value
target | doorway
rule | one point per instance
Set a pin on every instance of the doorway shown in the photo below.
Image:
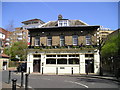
(89, 66)
(36, 65)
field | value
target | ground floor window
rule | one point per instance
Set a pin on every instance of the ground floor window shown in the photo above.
(36, 55)
(62, 55)
(50, 61)
(73, 61)
(51, 55)
(61, 61)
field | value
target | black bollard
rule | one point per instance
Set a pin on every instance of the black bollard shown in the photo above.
(22, 78)
(87, 69)
(42, 70)
(14, 84)
(72, 70)
(29, 70)
(9, 78)
(26, 81)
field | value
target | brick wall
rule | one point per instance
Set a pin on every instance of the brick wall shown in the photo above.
(68, 36)
(55, 40)
(33, 41)
(43, 40)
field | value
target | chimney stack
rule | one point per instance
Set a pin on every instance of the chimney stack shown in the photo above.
(60, 17)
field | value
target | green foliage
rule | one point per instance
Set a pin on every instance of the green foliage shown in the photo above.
(111, 47)
(18, 48)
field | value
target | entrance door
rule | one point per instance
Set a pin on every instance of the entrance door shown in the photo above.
(36, 66)
(89, 66)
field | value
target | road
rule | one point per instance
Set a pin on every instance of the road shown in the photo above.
(61, 81)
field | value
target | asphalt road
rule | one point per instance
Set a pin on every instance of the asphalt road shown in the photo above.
(57, 81)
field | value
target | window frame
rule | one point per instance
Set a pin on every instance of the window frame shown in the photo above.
(75, 40)
(37, 41)
(49, 39)
(62, 40)
(63, 23)
(88, 40)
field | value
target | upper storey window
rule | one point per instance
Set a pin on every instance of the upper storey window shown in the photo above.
(88, 40)
(75, 39)
(63, 23)
(37, 41)
(49, 41)
(62, 40)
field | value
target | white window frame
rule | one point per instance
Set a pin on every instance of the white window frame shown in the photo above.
(63, 23)
(37, 41)
(62, 40)
(75, 39)
(88, 40)
(49, 39)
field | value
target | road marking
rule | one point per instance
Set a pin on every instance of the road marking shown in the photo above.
(77, 83)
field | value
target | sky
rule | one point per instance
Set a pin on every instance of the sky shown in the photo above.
(93, 13)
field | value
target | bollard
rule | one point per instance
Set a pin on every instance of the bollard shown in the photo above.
(22, 78)
(87, 69)
(72, 70)
(26, 81)
(42, 70)
(56, 70)
(9, 78)
(29, 70)
(14, 84)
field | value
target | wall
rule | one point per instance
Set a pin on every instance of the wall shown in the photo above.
(62, 68)
(68, 37)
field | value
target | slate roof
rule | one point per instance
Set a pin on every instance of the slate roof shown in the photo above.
(71, 23)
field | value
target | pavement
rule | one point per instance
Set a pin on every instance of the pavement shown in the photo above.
(6, 86)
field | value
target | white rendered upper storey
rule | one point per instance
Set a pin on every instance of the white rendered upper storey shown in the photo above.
(33, 23)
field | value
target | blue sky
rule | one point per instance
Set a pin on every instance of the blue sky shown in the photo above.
(93, 13)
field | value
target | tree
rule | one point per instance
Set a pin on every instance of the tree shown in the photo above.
(10, 26)
(110, 52)
(111, 46)
(18, 48)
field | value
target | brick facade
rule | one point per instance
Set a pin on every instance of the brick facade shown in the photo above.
(68, 37)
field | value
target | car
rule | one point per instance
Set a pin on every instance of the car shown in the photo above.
(22, 67)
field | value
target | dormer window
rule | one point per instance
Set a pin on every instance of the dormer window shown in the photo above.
(63, 23)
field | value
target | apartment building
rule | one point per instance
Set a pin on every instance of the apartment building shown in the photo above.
(19, 34)
(4, 38)
(4, 42)
(104, 32)
(64, 47)
(32, 23)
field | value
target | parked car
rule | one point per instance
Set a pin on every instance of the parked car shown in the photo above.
(22, 67)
